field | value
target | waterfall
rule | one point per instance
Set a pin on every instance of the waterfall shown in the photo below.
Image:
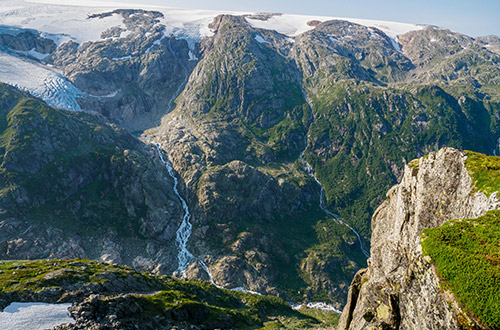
(184, 231)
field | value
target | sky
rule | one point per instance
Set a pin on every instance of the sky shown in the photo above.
(471, 17)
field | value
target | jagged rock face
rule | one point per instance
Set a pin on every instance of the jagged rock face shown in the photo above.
(426, 45)
(239, 207)
(400, 290)
(243, 100)
(239, 121)
(348, 51)
(26, 41)
(242, 109)
(491, 43)
(231, 110)
(443, 55)
(130, 76)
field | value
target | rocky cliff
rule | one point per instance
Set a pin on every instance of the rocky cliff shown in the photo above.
(400, 288)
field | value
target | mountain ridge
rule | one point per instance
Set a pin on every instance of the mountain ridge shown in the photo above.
(237, 112)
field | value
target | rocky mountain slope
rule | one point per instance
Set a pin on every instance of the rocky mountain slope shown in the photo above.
(401, 288)
(74, 186)
(364, 107)
(252, 110)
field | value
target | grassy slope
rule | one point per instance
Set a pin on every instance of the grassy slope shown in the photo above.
(467, 255)
(485, 172)
(245, 310)
(467, 251)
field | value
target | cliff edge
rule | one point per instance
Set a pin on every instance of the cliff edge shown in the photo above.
(400, 289)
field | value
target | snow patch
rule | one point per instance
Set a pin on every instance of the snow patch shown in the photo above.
(63, 20)
(290, 40)
(67, 22)
(261, 40)
(155, 43)
(242, 289)
(58, 39)
(34, 316)
(318, 305)
(128, 57)
(395, 44)
(293, 25)
(110, 95)
(33, 53)
(192, 57)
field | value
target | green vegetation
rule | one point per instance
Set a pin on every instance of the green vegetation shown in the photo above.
(255, 99)
(26, 276)
(362, 135)
(485, 172)
(192, 301)
(467, 256)
(72, 167)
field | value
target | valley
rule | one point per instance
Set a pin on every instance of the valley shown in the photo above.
(249, 150)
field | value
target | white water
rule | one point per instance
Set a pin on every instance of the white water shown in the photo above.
(310, 171)
(496, 147)
(184, 231)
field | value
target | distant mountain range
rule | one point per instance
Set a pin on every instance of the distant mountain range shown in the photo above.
(283, 133)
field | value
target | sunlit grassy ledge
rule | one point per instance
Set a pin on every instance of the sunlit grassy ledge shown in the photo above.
(467, 251)
(485, 171)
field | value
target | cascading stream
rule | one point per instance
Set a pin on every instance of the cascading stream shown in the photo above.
(310, 171)
(334, 216)
(496, 147)
(184, 231)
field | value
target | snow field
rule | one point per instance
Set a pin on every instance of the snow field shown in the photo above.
(34, 316)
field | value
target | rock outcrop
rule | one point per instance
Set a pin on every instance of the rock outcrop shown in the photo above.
(400, 289)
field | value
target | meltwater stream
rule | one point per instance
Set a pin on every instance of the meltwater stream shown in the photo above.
(184, 232)
(310, 171)
(334, 216)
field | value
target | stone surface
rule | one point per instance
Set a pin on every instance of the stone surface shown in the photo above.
(400, 290)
